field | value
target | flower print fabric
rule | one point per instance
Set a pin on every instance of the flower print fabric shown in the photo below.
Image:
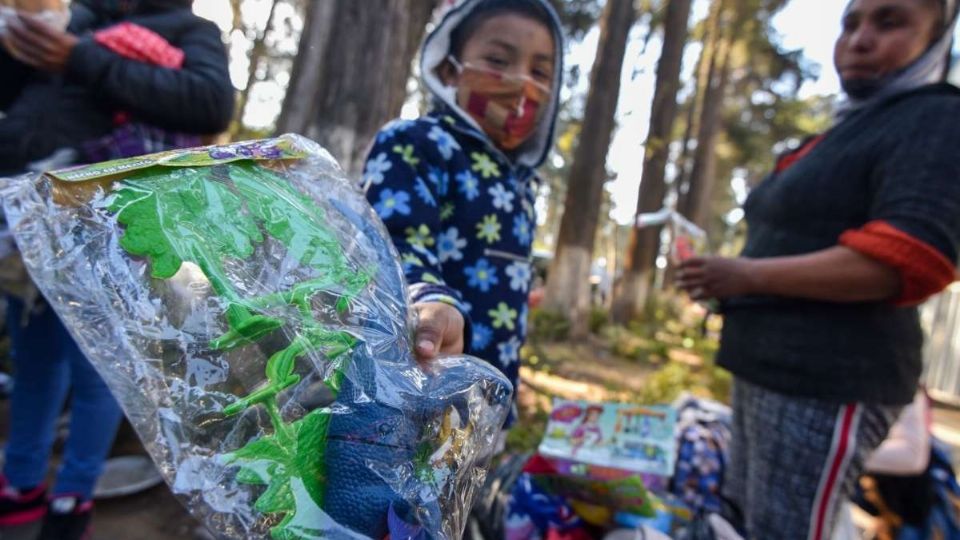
(461, 216)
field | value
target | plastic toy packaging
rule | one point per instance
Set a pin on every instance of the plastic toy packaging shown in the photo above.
(246, 307)
(686, 239)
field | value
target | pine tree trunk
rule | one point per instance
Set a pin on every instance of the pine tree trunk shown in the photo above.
(236, 16)
(350, 75)
(702, 175)
(705, 66)
(551, 222)
(695, 203)
(644, 243)
(568, 284)
(257, 51)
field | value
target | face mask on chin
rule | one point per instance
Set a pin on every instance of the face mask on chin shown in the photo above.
(507, 107)
(862, 88)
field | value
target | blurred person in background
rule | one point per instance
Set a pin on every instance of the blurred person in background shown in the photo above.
(845, 238)
(124, 78)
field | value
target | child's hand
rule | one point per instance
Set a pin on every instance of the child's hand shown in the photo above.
(439, 330)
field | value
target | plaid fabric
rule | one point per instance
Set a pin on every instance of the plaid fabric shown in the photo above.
(134, 139)
(141, 44)
(794, 460)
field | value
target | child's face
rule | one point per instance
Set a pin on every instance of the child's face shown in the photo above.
(504, 77)
(513, 45)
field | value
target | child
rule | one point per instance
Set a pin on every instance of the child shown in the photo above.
(456, 188)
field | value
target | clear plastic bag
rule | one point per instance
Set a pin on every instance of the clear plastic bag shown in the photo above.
(686, 239)
(246, 307)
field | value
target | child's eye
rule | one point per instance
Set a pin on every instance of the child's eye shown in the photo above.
(496, 61)
(542, 76)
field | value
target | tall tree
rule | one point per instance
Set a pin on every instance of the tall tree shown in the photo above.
(710, 40)
(578, 16)
(748, 61)
(554, 174)
(568, 287)
(702, 174)
(350, 76)
(257, 51)
(644, 242)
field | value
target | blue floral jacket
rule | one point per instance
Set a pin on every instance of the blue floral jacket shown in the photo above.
(462, 217)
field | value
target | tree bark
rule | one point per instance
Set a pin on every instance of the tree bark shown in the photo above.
(699, 193)
(702, 175)
(568, 284)
(236, 16)
(644, 243)
(350, 76)
(257, 52)
(705, 63)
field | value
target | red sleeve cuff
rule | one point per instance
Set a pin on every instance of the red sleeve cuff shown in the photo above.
(924, 271)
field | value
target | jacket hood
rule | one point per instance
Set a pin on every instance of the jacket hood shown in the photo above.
(436, 46)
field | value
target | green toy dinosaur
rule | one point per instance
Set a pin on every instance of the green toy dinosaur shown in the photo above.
(196, 215)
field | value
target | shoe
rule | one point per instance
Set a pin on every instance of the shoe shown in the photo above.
(68, 518)
(18, 507)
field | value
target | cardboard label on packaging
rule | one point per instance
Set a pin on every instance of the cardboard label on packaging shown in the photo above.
(260, 150)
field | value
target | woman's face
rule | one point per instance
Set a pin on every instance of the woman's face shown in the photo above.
(882, 36)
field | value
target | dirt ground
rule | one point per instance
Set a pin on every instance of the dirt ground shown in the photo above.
(151, 515)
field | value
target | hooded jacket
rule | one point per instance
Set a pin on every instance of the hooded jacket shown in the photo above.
(45, 112)
(459, 210)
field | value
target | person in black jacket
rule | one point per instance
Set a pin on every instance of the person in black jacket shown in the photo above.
(126, 77)
(845, 238)
(63, 90)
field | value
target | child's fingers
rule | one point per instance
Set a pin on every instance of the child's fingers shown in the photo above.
(439, 330)
(453, 340)
(428, 337)
(453, 337)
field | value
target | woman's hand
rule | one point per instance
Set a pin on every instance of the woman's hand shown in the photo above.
(439, 330)
(836, 274)
(37, 44)
(717, 277)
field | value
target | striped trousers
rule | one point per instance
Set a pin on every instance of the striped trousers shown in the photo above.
(794, 460)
